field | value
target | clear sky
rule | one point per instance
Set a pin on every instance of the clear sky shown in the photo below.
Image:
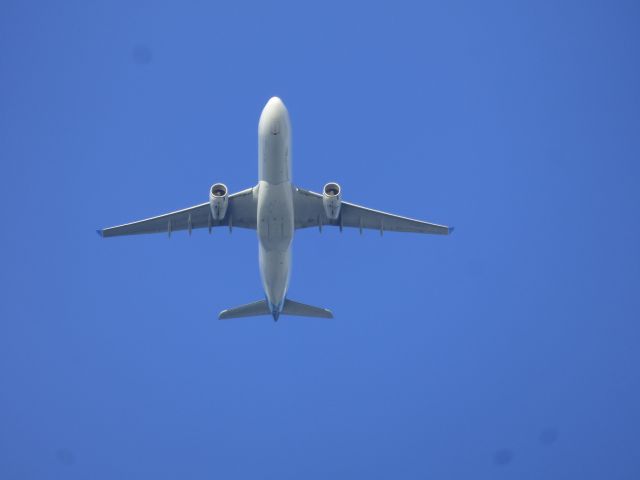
(507, 350)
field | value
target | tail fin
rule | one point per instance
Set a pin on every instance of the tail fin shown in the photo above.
(261, 307)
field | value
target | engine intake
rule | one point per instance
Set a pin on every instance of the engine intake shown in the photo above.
(218, 200)
(331, 200)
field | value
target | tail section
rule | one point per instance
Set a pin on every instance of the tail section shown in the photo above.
(261, 307)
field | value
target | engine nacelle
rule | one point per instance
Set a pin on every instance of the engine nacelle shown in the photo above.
(218, 200)
(331, 200)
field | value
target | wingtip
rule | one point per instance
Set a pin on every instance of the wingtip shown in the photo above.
(99, 232)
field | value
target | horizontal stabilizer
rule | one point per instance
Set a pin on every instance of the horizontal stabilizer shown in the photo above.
(249, 310)
(261, 307)
(301, 310)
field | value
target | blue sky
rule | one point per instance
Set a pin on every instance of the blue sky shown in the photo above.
(508, 350)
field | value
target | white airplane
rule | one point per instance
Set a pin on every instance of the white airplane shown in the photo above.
(275, 208)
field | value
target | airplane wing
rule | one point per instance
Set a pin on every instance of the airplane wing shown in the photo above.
(241, 212)
(309, 212)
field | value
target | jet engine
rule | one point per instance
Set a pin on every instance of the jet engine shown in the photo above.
(331, 200)
(218, 200)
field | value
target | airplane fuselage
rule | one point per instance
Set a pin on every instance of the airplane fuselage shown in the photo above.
(275, 216)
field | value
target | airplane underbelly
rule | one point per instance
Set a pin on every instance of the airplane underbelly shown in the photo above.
(275, 272)
(275, 234)
(275, 216)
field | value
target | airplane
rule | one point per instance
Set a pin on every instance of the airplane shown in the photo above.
(276, 208)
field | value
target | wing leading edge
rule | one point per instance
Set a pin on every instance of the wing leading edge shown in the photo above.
(241, 213)
(309, 212)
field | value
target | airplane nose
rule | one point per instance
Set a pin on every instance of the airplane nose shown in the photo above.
(273, 101)
(276, 109)
(274, 116)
